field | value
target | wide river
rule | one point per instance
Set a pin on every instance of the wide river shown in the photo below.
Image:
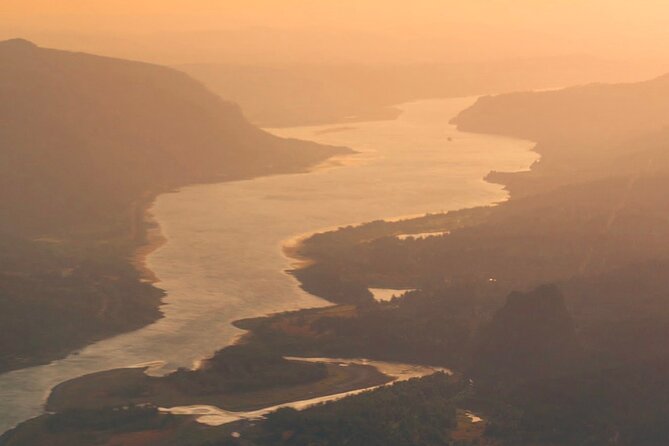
(223, 259)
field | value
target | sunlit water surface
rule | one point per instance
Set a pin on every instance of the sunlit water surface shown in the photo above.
(223, 260)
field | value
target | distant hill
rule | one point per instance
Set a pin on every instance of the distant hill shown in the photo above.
(593, 113)
(583, 133)
(83, 136)
(285, 94)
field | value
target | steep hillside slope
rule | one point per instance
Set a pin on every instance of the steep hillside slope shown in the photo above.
(82, 136)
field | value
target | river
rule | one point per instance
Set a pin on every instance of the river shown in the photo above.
(223, 259)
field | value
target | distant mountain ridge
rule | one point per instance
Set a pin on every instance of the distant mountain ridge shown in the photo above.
(285, 94)
(593, 113)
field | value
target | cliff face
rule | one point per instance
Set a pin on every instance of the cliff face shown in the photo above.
(82, 136)
(532, 336)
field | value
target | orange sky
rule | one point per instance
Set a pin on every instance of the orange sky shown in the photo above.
(419, 29)
(375, 13)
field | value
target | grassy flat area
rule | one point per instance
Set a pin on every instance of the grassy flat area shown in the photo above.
(339, 379)
(124, 387)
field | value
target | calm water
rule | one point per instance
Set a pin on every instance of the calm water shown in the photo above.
(223, 259)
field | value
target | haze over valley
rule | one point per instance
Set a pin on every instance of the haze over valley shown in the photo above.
(328, 223)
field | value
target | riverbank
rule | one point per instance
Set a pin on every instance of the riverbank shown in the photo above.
(153, 240)
(86, 291)
(111, 389)
(88, 399)
(267, 391)
(122, 299)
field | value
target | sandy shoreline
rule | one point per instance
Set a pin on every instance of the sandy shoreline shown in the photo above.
(153, 238)
(292, 249)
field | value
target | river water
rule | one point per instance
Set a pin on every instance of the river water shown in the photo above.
(223, 259)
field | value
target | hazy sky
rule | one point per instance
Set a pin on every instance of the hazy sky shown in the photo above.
(354, 29)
